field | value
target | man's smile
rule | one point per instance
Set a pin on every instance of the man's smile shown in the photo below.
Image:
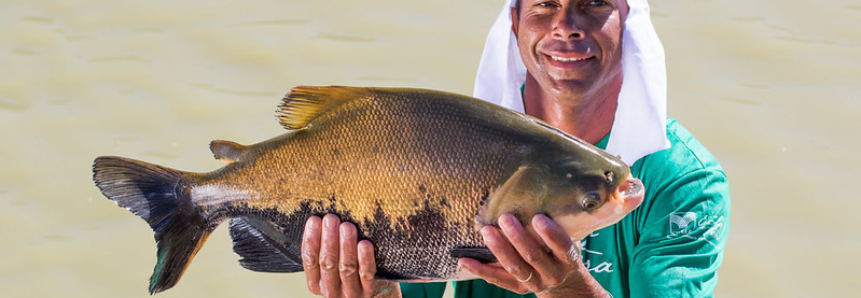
(568, 59)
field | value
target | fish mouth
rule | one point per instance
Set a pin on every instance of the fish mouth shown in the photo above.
(631, 192)
(631, 187)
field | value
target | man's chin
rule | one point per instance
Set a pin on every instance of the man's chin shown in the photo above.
(569, 87)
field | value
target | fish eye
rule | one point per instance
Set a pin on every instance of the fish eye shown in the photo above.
(591, 200)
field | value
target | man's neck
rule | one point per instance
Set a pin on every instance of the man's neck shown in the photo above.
(589, 119)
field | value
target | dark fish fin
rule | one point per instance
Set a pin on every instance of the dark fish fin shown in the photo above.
(481, 254)
(260, 251)
(304, 103)
(227, 151)
(152, 192)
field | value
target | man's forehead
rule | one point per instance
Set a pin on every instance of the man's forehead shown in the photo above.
(515, 2)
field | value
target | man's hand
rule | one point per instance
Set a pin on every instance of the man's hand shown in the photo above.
(525, 265)
(336, 265)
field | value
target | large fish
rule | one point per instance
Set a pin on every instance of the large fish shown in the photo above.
(418, 171)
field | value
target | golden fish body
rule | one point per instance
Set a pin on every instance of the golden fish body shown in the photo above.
(418, 172)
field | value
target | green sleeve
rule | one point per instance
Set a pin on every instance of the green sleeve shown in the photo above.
(476, 288)
(479, 288)
(423, 290)
(682, 237)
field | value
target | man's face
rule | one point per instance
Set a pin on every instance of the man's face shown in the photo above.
(573, 48)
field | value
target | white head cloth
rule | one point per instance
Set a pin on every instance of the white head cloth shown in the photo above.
(639, 127)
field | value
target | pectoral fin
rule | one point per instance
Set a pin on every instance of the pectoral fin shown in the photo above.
(519, 196)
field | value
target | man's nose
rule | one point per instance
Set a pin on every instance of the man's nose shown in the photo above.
(565, 27)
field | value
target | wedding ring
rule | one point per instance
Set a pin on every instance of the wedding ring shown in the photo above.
(528, 278)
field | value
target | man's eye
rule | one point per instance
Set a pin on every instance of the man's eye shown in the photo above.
(597, 6)
(546, 4)
(596, 3)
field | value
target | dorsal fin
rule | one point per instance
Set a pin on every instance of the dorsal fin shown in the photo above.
(227, 151)
(304, 103)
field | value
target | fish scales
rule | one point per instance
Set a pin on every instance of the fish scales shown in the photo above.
(417, 171)
(393, 164)
(385, 172)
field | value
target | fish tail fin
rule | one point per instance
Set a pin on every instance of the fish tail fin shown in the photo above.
(154, 193)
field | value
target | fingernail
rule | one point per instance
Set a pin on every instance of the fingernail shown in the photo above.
(330, 221)
(541, 221)
(346, 231)
(313, 223)
(485, 233)
(506, 221)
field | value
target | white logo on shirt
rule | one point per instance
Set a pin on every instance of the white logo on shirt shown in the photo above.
(681, 223)
(598, 268)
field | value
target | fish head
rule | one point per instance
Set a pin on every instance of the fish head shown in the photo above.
(589, 193)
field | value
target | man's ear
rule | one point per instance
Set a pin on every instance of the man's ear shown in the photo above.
(514, 21)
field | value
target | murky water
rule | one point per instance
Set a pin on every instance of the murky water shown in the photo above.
(771, 87)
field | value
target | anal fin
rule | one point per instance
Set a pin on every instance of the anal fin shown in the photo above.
(260, 247)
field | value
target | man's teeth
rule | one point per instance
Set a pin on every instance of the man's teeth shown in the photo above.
(567, 59)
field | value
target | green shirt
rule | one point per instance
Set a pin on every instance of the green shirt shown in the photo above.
(671, 246)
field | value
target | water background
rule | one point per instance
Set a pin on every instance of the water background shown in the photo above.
(771, 87)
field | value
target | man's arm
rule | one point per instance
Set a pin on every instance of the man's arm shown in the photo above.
(524, 265)
(682, 238)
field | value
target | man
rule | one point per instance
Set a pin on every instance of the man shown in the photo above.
(594, 69)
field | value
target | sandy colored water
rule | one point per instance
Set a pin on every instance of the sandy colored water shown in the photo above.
(771, 87)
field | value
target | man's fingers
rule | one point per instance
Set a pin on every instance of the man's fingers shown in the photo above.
(506, 254)
(367, 267)
(349, 261)
(529, 249)
(496, 275)
(555, 238)
(330, 281)
(311, 253)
